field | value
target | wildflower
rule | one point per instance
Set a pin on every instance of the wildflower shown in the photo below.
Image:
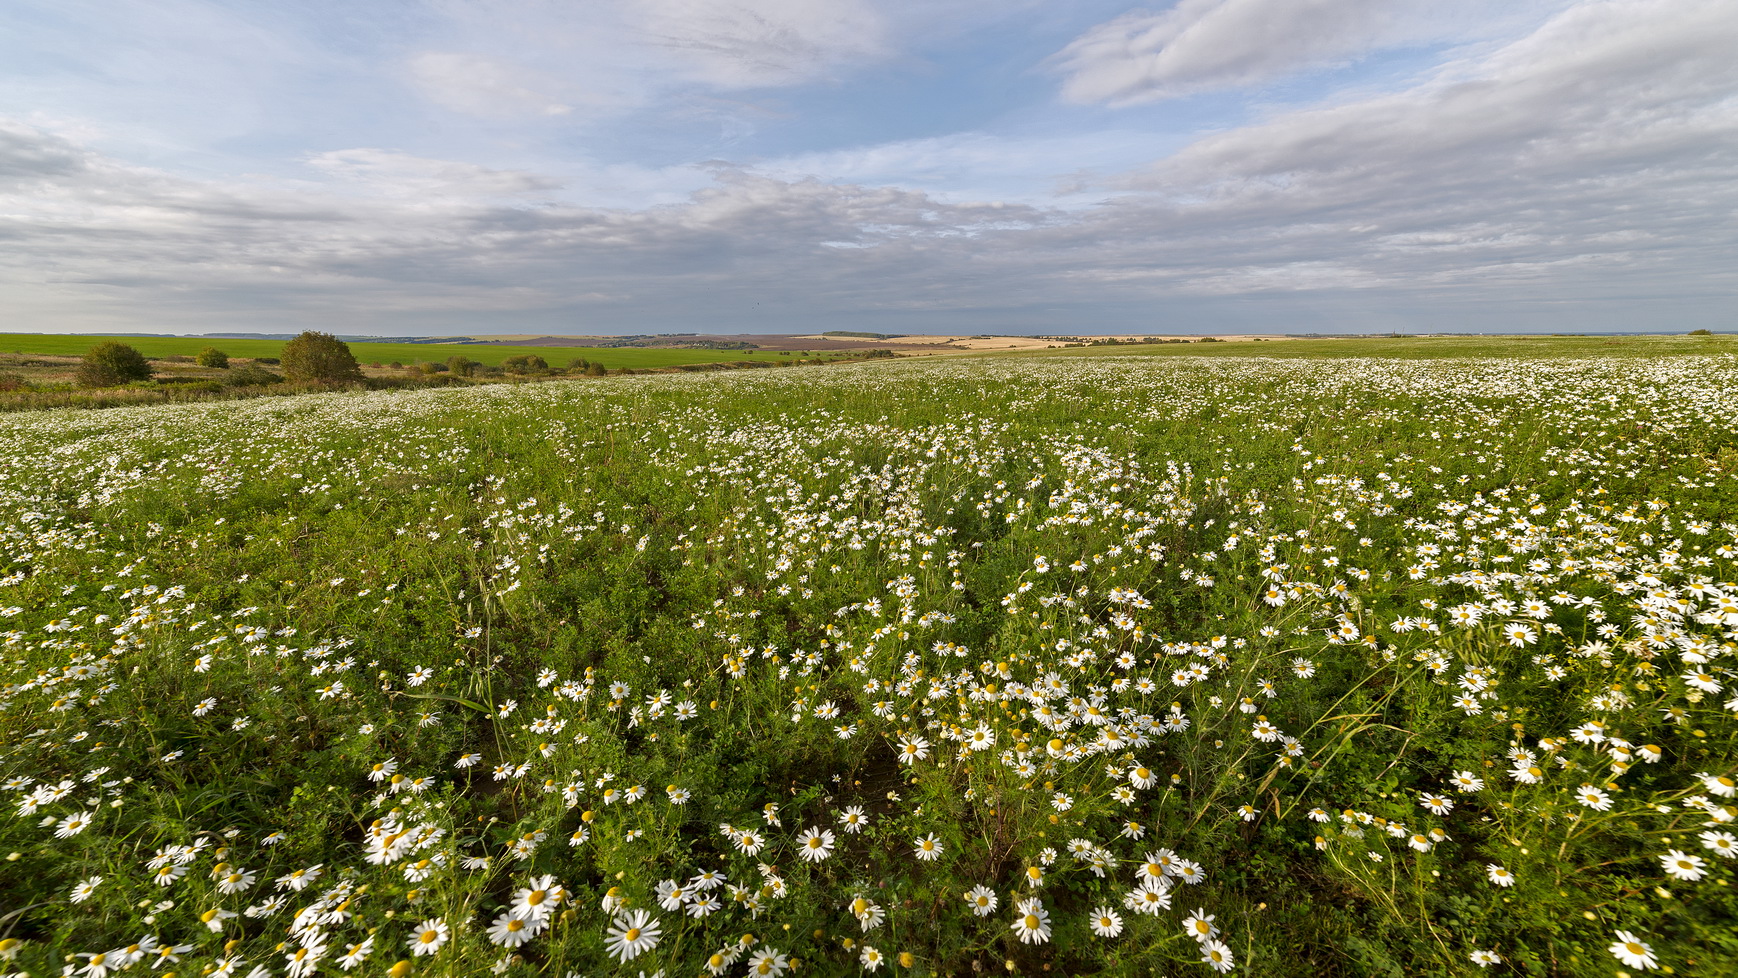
(1200, 926)
(1150, 897)
(1217, 956)
(927, 848)
(429, 937)
(815, 844)
(1031, 922)
(767, 963)
(83, 889)
(1466, 781)
(1499, 875)
(912, 749)
(1683, 866)
(1593, 798)
(853, 819)
(632, 934)
(1436, 803)
(671, 895)
(1633, 951)
(510, 931)
(356, 954)
(1485, 959)
(1720, 843)
(982, 899)
(870, 958)
(1720, 784)
(1106, 922)
(305, 959)
(537, 901)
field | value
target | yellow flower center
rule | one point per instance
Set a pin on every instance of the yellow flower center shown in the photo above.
(632, 935)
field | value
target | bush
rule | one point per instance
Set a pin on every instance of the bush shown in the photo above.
(211, 356)
(460, 366)
(319, 358)
(251, 375)
(594, 370)
(1701, 332)
(529, 363)
(112, 364)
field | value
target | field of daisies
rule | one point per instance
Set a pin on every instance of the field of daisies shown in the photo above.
(1092, 665)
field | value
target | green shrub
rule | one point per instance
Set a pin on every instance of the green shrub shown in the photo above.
(319, 358)
(461, 366)
(529, 363)
(112, 364)
(251, 375)
(211, 356)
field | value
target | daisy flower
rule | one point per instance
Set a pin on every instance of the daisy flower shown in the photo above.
(927, 848)
(1031, 921)
(1633, 951)
(1683, 866)
(1217, 956)
(510, 931)
(1200, 926)
(1106, 922)
(815, 844)
(429, 937)
(631, 935)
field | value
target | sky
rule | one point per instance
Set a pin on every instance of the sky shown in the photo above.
(445, 167)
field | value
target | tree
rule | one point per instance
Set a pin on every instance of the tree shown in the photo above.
(461, 366)
(211, 356)
(319, 358)
(594, 370)
(112, 364)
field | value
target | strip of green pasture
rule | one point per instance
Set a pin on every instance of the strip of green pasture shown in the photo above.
(46, 344)
(1421, 347)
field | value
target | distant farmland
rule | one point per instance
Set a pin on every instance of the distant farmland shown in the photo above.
(613, 357)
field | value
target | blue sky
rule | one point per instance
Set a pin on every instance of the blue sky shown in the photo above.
(484, 166)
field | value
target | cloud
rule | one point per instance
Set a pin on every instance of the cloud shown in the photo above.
(28, 155)
(1580, 176)
(481, 86)
(755, 43)
(1203, 45)
(400, 174)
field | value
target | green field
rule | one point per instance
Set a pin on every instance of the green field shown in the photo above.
(1091, 662)
(1429, 347)
(48, 344)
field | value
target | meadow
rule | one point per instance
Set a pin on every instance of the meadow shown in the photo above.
(1076, 663)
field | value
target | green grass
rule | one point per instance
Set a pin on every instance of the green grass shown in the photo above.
(1429, 347)
(1265, 615)
(48, 344)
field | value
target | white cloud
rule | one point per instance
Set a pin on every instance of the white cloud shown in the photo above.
(488, 87)
(1202, 45)
(1583, 174)
(399, 174)
(754, 43)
